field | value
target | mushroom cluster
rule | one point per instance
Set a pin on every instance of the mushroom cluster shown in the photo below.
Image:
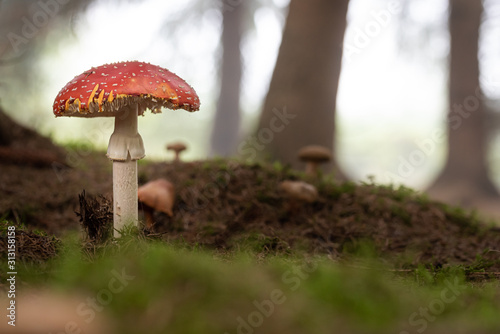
(124, 91)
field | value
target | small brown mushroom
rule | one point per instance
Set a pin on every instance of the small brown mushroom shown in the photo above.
(313, 155)
(156, 195)
(177, 147)
(298, 191)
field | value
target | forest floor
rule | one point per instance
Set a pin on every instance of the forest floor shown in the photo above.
(226, 207)
(219, 203)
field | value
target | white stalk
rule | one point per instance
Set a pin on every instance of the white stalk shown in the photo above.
(124, 194)
(125, 148)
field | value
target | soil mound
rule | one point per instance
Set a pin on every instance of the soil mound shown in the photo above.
(228, 205)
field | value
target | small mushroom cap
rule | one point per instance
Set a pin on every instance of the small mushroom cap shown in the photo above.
(299, 190)
(103, 90)
(176, 147)
(315, 153)
(158, 194)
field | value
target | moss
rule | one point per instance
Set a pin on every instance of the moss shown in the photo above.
(259, 243)
(215, 292)
(400, 212)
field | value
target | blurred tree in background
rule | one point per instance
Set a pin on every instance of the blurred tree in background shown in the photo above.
(465, 179)
(226, 126)
(20, 22)
(300, 106)
(24, 25)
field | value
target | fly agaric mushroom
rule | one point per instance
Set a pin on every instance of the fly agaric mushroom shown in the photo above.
(157, 195)
(313, 155)
(124, 91)
(177, 147)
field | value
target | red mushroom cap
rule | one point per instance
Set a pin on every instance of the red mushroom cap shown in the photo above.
(103, 90)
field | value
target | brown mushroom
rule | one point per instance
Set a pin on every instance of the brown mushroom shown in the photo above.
(297, 192)
(313, 155)
(156, 195)
(177, 147)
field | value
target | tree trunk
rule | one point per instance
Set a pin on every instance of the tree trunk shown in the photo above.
(465, 179)
(299, 109)
(227, 117)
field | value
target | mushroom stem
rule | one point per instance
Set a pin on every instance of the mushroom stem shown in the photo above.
(124, 194)
(311, 168)
(125, 148)
(126, 140)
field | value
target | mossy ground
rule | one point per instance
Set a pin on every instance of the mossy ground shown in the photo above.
(182, 288)
(236, 258)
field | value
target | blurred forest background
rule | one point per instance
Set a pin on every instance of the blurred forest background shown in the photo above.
(406, 91)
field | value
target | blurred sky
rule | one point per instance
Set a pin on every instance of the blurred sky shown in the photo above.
(391, 97)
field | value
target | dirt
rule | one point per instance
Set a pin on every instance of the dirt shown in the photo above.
(224, 204)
